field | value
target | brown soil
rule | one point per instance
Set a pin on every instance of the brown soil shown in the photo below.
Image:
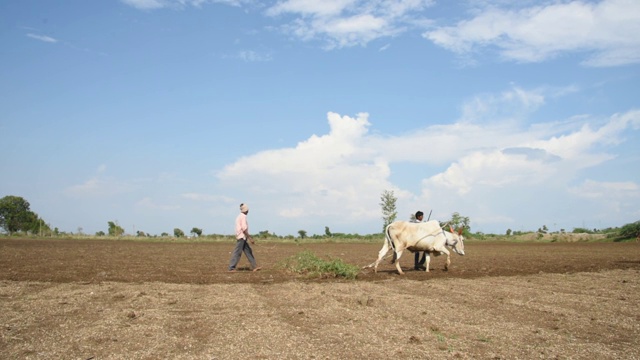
(86, 299)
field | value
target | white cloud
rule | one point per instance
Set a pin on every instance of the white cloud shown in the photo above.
(43, 38)
(149, 204)
(159, 4)
(597, 189)
(542, 158)
(331, 174)
(513, 103)
(253, 56)
(605, 30)
(487, 166)
(209, 198)
(345, 23)
(311, 7)
(99, 186)
(146, 4)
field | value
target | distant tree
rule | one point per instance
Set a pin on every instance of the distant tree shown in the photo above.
(302, 233)
(140, 234)
(15, 215)
(196, 232)
(388, 204)
(164, 234)
(178, 233)
(115, 229)
(508, 232)
(327, 231)
(264, 234)
(457, 221)
(100, 233)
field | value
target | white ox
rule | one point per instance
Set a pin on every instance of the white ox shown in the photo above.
(426, 236)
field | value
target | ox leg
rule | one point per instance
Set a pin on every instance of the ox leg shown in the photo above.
(427, 260)
(446, 265)
(381, 254)
(399, 253)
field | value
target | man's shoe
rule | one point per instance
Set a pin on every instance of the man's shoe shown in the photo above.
(232, 270)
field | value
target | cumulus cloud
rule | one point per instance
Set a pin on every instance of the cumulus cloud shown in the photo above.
(540, 159)
(604, 30)
(333, 171)
(464, 165)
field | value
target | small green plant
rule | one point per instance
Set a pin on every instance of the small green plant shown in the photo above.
(438, 334)
(309, 264)
(484, 339)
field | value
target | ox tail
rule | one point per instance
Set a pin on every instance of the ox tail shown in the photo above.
(392, 245)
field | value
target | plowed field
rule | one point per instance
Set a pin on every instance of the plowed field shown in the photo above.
(86, 299)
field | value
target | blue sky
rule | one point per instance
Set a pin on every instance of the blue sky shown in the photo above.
(163, 114)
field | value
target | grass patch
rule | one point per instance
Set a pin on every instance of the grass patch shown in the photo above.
(307, 263)
(484, 339)
(438, 334)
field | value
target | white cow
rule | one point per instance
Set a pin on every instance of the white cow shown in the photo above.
(426, 236)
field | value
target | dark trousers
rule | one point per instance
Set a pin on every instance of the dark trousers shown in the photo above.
(242, 246)
(418, 262)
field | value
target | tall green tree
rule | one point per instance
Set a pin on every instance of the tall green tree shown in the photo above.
(178, 232)
(15, 215)
(327, 232)
(457, 221)
(115, 229)
(388, 204)
(195, 231)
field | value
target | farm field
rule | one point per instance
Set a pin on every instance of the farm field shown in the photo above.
(100, 299)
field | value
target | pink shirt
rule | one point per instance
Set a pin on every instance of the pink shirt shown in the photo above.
(242, 228)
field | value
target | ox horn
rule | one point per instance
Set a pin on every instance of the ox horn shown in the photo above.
(460, 231)
(451, 228)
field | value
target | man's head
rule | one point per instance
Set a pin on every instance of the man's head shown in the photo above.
(419, 215)
(244, 208)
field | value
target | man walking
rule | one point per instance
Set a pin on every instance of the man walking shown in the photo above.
(242, 241)
(418, 263)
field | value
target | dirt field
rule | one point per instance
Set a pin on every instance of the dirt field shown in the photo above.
(86, 299)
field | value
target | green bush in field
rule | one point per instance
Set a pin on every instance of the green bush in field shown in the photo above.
(309, 264)
(629, 231)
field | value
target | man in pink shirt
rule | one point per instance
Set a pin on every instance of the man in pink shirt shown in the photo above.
(242, 241)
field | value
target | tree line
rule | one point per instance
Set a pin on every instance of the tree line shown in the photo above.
(16, 217)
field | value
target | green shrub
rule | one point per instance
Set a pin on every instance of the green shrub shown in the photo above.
(629, 231)
(307, 263)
